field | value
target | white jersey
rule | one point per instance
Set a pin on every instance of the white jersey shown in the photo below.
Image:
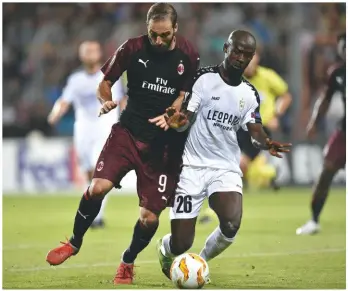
(81, 91)
(221, 109)
(90, 131)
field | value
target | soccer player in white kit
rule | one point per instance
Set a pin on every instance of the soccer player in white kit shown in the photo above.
(90, 131)
(222, 102)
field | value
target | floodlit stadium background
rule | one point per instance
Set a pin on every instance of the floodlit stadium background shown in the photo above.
(40, 44)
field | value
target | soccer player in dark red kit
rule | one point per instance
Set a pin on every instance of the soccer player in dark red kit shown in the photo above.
(160, 66)
(335, 150)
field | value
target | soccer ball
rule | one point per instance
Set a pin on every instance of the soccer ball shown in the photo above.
(189, 271)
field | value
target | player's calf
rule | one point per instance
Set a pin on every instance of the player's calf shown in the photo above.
(144, 230)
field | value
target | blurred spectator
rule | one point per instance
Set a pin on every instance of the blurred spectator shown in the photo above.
(319, 53)
(40, 45)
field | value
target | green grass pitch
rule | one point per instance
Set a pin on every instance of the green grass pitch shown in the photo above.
(266, 254)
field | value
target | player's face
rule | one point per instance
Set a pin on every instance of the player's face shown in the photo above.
(239, 55)
(161, 33)
(90, 53)
(251, 68)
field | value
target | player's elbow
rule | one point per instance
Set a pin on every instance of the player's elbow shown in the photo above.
(287, 98)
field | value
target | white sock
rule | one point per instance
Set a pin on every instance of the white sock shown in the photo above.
(215, 244)
(165, 247)
(101, 212)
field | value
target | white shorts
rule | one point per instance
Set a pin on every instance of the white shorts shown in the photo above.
(88, 144)
(196, 184)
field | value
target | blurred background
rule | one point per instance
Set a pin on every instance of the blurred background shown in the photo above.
(42, 183)
(40, 42)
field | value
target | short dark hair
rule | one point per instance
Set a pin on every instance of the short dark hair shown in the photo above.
(160, 11)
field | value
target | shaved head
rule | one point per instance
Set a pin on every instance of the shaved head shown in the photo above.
(242, 38)
(239, 50)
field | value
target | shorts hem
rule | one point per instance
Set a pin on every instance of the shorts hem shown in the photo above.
(231, 189)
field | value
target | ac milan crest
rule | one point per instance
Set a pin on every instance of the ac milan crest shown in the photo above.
(100, 166)
(180, 69)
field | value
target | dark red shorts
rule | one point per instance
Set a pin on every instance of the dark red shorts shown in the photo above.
(157, 166)
(335, 149)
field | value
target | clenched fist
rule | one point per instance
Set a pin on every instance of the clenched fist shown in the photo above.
(107, 107)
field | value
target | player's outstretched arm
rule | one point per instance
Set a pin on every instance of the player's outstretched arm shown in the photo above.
(59, 109)
(261, 140)
(320, 109)
(322, 105)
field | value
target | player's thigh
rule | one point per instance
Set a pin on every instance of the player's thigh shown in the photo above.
(117, 156)
(246, 146)
(226, 195)
(189, 194)
(335, 151)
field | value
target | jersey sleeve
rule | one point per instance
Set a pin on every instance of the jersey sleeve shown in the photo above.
(193, 97)
(117, 63)
(69, 90)
(252, 113)
(278, 85)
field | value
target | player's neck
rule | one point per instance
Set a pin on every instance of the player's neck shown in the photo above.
(231, 77)
(92, 69)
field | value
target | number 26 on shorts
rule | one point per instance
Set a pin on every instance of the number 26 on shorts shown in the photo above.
(184, 204)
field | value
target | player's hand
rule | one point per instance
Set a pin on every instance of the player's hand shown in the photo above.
(107, 107)
(311, 131)
(160, 121)
(175, 118)
(52, 119)
(275, 147)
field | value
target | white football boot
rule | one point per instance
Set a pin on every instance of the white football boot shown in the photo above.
(311, 227)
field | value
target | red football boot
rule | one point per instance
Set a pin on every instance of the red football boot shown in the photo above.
(61, 253)
(125, 274)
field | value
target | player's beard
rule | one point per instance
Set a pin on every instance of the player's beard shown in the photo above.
(163, 48)
(233, 73)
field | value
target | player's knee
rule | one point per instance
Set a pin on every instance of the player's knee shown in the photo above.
(230, 227)
(148, 218)
(331, 167)
(99, 188)
(181, 245)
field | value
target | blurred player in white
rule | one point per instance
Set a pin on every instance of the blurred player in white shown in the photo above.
(222, 101)
(90, 131)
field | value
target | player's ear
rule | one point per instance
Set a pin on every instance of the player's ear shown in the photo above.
(176, 26)
(225, 48)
